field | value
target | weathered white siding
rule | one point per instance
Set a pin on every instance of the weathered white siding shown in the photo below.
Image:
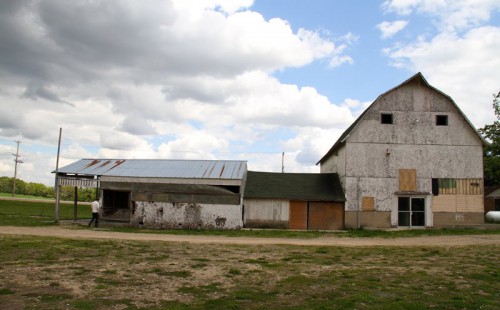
(266, 213)
(374, 152)
(336, 163)
(169, 215)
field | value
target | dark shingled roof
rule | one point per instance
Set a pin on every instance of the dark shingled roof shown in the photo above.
(294, 186)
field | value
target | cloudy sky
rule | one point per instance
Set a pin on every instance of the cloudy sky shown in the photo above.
(225, 79)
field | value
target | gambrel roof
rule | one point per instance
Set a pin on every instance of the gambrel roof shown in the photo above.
(422, 81)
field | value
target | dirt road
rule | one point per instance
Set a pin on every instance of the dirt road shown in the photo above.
(68, 232)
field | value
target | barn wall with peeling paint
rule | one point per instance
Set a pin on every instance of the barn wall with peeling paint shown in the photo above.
(174, 194)
(373, 155)
(167, 215)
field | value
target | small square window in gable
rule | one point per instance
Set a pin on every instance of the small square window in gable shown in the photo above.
(441, 120)
(386, 118)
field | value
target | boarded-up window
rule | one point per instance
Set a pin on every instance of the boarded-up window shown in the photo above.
(368, 203)
(407, 180)
(447, 186)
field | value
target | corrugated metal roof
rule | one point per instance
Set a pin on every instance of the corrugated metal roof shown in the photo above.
(159, 168)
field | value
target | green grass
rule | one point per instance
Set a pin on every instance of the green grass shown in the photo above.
(31, 213)
(6, 291)
(25, 196)
(284, 233)
(53, 273)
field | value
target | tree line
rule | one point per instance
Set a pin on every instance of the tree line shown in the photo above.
(41, 190)
(492, 150)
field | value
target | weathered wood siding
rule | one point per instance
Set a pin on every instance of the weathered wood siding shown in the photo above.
(298, 215)
(458, 203)
(266, 213)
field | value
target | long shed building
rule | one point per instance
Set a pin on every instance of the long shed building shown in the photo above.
(164, 193)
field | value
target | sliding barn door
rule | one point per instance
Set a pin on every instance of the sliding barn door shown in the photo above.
(298, 215)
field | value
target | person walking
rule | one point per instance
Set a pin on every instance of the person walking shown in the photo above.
(95, 212)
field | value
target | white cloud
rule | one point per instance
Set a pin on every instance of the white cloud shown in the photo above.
(339, 60)
(451, 15)
(195, 144)
(389, 29)
(159, 79)
(227, 6)
(466, 68)
(461, 58)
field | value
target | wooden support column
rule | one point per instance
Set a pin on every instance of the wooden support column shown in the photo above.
(75, 207)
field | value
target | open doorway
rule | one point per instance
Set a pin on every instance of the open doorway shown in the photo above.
(116, 205)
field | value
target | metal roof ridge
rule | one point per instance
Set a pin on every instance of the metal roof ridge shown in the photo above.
(168, 159)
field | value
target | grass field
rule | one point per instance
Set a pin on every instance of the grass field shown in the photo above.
(24, 196)
(31, 213)
(52, 273)
(48, 273)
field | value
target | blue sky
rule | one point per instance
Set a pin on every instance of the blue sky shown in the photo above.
(339, 18)
(225, 79)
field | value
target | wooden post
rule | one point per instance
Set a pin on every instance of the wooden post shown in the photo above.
(75, 207)
(283, 162)
(57, 186)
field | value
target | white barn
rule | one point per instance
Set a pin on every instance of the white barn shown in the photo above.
(411, 159)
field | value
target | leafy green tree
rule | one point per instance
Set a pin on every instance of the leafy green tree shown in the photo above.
(84, 194)
(40, 190)
(5, 185)
(492, 151)
(36, 189)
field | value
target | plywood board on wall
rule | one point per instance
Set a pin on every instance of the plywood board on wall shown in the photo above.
(470, 203)
(326, 215)
(449, 186)
(368, 203)
(407, 180)
(444, 203)
(298, 215)
(469, 186)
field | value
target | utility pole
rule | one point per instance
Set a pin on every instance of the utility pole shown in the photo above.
(283, 162)
(17, 161)
(57, 187)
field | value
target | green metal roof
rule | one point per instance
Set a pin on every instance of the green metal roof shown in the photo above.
(294, 186)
